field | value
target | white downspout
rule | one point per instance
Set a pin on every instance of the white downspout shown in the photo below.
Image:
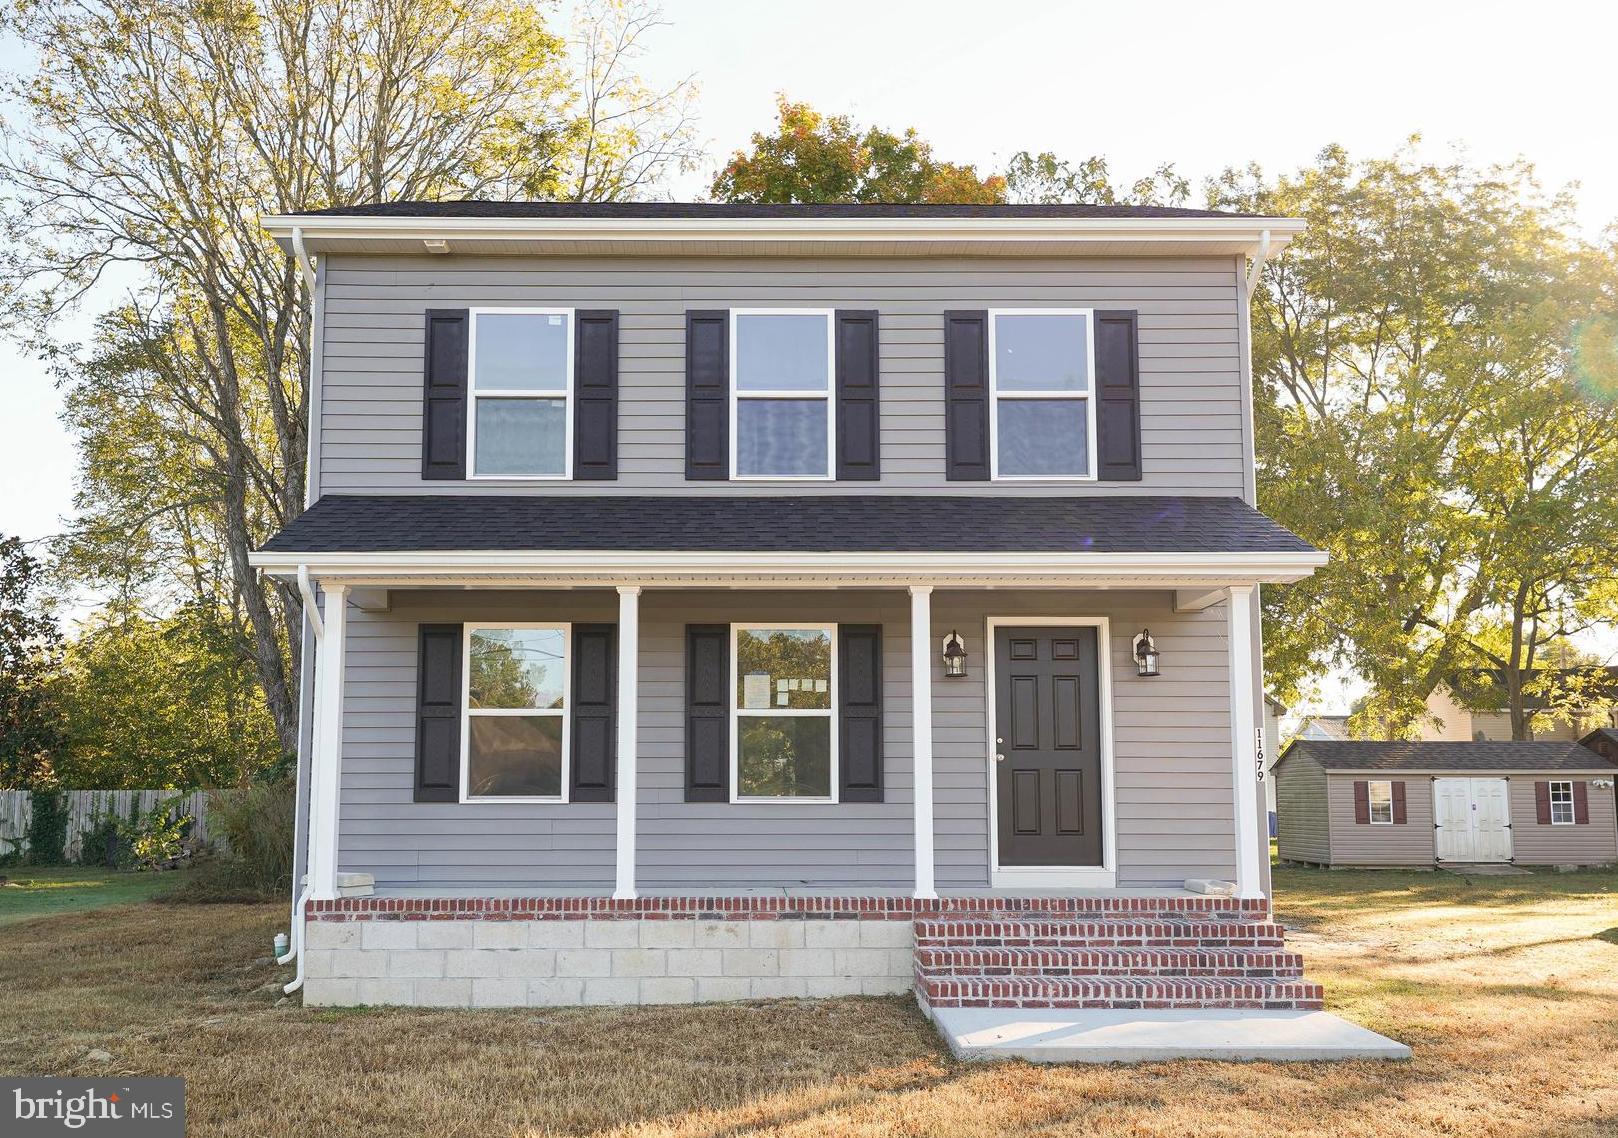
(305, 265)
(295, 942)
(1254, 271)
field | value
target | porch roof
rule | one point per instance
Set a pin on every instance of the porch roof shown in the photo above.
(782, 524)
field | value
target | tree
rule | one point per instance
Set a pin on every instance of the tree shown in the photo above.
(1422, 415)
(30, 727)
(156, 134)
(1045, 179)
(811, 157)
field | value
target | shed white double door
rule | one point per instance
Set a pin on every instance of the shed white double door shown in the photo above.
(1474, 819)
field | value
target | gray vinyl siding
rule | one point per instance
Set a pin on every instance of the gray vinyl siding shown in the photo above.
(1192, 410)
(1303, 832)
(1171, 743)
(1354, 844)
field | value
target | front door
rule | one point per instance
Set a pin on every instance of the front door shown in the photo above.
(1047, 746)
(1474, 819)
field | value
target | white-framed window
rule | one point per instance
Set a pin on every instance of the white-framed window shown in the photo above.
(782, 409)
(514, 727)
(1561, 804)
(784, 712)
(1381, 795)
(1041, 383)
(519, 370)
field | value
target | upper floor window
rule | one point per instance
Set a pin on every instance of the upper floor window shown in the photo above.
(1561, 804)
(781, 403)
(1041, 364)
(521, 379)
(514, 741)
(1381, 796)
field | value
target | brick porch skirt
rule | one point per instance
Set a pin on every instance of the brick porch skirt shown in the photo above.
(556, 951)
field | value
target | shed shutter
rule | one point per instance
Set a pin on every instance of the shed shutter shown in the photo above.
(438, 713)
(443, 409)
(1117, 396)
(1362, 804)
(1542, 803)
(594, 711)
(966, 396)
(1581, 803)
(1399, 816)
(595, 395)
(707, 713)
(858, 397)
(707, 395)
(859, 712)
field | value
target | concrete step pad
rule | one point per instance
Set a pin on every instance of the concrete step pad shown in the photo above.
(985, 962)
(1117, 992)
(1120, 1036)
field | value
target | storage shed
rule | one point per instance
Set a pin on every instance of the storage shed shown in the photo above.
(1423, 804)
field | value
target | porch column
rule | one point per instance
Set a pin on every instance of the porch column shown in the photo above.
(921, 719)
(1249, 882)
(325, 767)
(628, 674)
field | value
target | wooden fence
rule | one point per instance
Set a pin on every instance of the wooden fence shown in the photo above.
(86, 807)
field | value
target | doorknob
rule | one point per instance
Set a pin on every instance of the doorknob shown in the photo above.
(999, 758)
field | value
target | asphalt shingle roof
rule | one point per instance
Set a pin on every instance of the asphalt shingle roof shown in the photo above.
(1361, 755)
(630, 211)
(855, 523)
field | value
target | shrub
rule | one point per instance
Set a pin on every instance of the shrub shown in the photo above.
(255, 825)
(103, 842)
(47, 827)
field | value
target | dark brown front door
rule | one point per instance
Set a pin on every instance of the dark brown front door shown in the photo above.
(1047, 724)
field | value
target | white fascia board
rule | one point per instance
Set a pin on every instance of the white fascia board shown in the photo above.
(1251, 231)
(651, 565)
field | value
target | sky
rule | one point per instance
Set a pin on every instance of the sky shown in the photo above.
(1202, 85)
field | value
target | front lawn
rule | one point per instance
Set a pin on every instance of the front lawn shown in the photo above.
(38, 891)
(1506, 987)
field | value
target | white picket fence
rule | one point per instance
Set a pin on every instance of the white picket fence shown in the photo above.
(86, 807)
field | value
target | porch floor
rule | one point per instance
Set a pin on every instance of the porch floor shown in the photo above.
(461, 891)
(1127, 1035)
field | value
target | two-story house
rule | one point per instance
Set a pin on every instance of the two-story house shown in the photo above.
(712, 602)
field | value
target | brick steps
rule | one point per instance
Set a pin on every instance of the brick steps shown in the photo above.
(1265, 963)
(1121, 953)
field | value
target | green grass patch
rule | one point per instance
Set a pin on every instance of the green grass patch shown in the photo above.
(46, 891)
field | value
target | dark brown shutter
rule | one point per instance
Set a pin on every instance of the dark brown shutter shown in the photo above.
(707, 395)
(859, 712)
(1362, 804)
(594, 712)
(707, 713)
(858, 398)
(1399, 816)
(1542, 803)
(1117, 397)
(1581, 803)
(966, 396)
(438, 713)
(443, 408)
(595, 394)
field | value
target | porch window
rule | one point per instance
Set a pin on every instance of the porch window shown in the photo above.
(781, 387)
(514, 739)
(520, 368)
(785, 690)
(1381, 795)
(1561, 804)
(1041, 364)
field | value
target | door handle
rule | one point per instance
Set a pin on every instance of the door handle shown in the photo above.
(999, 758)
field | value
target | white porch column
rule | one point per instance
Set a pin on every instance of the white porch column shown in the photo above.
(325, 767)
(628, 676)
(1249, 840)
(921, 718)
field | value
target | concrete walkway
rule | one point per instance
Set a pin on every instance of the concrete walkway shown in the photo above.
(1042, 1035)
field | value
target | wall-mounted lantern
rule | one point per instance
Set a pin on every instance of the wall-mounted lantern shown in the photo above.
(1145, 654)
(954, 656)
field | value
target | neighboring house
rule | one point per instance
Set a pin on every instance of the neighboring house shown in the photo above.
(1323, 727)
(719, 602)
(1424, 804)
(1473, 706)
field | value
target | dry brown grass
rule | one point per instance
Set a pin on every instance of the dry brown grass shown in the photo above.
(1507, 988)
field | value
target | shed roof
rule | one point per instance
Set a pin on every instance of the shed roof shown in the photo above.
(1419, 756)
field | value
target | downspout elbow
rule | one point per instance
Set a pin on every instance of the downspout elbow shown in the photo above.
(306, 267)
(311, 605)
